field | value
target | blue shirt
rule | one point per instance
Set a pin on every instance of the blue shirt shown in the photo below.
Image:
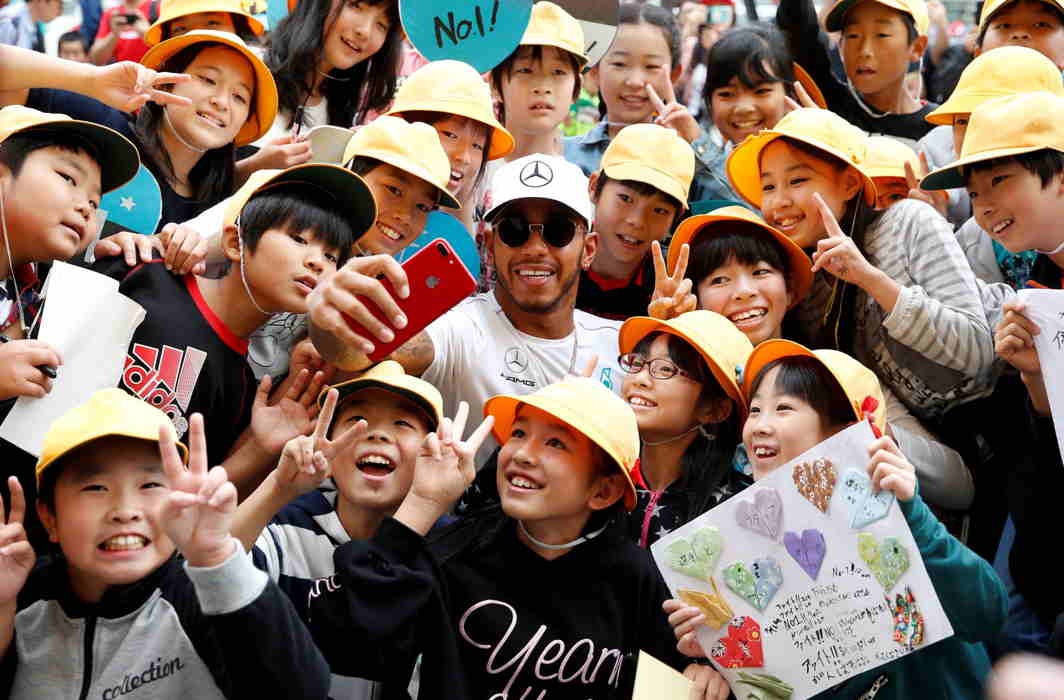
(709, 182)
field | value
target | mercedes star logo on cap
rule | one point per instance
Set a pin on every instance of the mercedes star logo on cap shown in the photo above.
(536, 174)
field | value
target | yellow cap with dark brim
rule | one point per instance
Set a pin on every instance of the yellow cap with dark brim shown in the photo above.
(119, 158)
(352, 197)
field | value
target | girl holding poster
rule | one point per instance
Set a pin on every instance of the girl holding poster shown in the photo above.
(800, 398)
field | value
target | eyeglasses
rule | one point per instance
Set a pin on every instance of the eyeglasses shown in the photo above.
(514, 231)
(660, 368)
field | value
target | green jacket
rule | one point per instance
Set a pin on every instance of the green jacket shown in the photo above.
(976, 603)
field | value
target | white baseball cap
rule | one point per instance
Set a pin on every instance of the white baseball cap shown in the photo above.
(539, 176)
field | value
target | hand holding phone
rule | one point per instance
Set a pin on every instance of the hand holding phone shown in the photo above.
(438, 281)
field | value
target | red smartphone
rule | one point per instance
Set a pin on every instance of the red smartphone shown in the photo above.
(438, 281)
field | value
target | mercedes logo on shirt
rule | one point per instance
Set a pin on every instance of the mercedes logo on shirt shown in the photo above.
(536, 174)
(515, 360)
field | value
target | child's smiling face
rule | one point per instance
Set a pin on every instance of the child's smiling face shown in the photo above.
(104, 514)
(627, 221)
(779, 427)
(740, 110)
(404, 202)
(1010, 203)
(638, 56)
(789, 179)
(753, 297)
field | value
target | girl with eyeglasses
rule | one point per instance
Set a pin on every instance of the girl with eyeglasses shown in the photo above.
(683, 382)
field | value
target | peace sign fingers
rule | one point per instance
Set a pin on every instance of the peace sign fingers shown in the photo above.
(325, 416)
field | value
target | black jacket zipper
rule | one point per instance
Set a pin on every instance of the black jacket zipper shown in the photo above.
(86, 678)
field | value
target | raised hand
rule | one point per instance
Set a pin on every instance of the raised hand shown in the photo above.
(804, 100)
(1014, 339)
(444, 468)
(307, 460)
(673, 114)
(197, 514)
(890, 470)
(16, 554)
(938, 199)
(336, 299)
(837, 253)
(128, 86)
(306, 356)
(273, 425)
(672, 294)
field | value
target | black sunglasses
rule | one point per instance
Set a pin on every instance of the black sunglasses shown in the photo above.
(514, 231)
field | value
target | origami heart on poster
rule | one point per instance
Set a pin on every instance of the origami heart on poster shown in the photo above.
(698, 556)
(741, 646)
(816, 482)
(888, 560)
(865, 507)
(757, 583)
(763, 515)
(808, 549)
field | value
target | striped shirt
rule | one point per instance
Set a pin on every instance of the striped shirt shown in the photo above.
(935, 349)
(296, 549)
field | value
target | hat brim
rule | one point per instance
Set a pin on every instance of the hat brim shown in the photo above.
(771, 350)
(504, 409)
(155, 32)
(638, 327)
(42, 467)
(261, 118)
(445, 198)
(964, 104)
(119, 158)
(501, 141)
(952, 176)
(354, 199)
(810, 86)
(799, 264)
(647, 175)
(835, 20)
(398, 386)
(744, 165)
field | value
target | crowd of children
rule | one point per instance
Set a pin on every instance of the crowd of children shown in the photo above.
(767, 237)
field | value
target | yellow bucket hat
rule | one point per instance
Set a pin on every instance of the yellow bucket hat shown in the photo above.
(107, 413)
(1006, 70)
(816, 127)
(585, 406)
(389, 375)
(860, 384)
(990, 7)
(175, 9)
(119, 158)
(412, 147)
(693, 227)
(453, 87)
(724, 347)
(886, 157)
(352, 197)
(917, 9)
(654, 155)
(551, 25)
(262, 114)
(1006, 126)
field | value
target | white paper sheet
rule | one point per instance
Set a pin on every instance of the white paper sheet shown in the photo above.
(1046, 308)
(90, 323)
(813, 633)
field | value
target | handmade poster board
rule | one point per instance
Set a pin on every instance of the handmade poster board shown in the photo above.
(806, 578)
(1046, 308)
(480, 32)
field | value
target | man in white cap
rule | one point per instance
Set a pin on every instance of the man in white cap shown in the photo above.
(518, 338)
